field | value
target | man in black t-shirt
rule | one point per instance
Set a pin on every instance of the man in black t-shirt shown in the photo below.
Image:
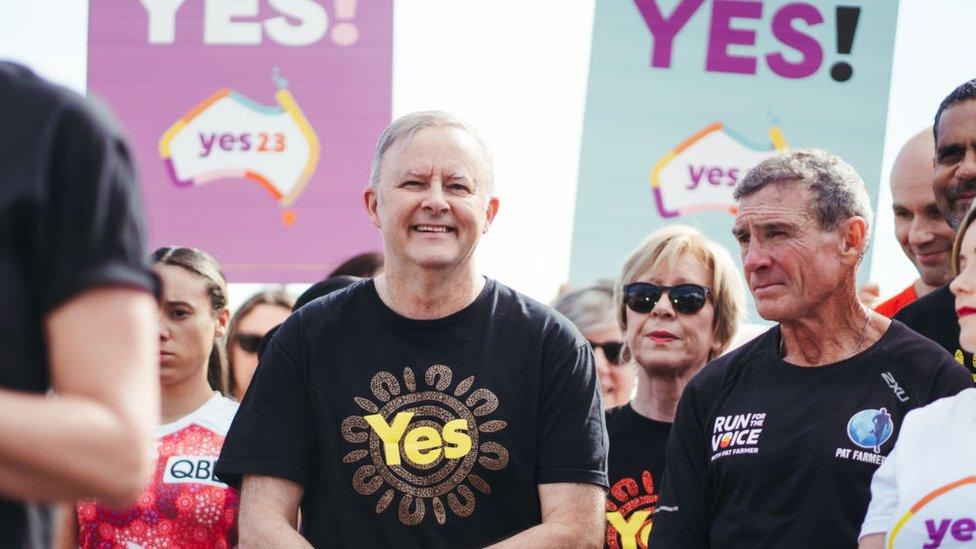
(429, 406)
(775, 443)
(954, 184)
(77, 314)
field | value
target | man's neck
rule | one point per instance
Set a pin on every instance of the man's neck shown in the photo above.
(426, 294)
(840, 328)
(921, 288)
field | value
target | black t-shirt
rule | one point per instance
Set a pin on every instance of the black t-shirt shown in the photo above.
(634, 466)
(934, 316)
(764, 453)
(420, 433)
(69, 220)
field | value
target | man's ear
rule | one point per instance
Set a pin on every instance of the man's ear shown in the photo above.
(855, 235)
(490, 212)
(371, 197)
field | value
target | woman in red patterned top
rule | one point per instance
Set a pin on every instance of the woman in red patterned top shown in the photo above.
(183, 505)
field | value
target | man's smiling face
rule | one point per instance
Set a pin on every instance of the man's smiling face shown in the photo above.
(432, 203)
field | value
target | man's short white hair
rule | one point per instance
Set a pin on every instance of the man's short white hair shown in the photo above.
(403, 129)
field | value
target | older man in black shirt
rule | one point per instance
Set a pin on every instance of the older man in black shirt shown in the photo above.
(775, 443)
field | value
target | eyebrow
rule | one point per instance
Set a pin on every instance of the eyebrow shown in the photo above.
(177, 303)
(946, 149)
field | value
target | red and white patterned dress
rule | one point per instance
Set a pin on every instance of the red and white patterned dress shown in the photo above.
(183, 506)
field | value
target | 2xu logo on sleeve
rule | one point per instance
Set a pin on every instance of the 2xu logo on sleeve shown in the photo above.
(187, 469)
(737, 434)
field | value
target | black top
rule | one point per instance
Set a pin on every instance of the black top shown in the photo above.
(634, 466)
(420, 433)
(768, 454)
(934, 316)
(69, 221)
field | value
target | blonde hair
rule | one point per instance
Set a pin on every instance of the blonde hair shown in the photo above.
(960, 234)
(666, 246)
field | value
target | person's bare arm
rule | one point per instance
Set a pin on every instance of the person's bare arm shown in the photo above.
(269, 513)
(572, 516)
(66, 531)
(872, 541)
(94, 436)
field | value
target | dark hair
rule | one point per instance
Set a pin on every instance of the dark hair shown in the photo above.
(364, 265)
(203, 264)
(963, 92)
(278, 298)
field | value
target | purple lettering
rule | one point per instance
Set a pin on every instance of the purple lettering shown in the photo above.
(664, 30)
(715, 176)
(207, 142)
(227, 141)
(963, 529)
(733, 176)
(695, 180)
(936, 534)
(809, 48)
(722, 36)
(245, 141)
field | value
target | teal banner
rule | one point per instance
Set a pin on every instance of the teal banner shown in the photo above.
(685, 96)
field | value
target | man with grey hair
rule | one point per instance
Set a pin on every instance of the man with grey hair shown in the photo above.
(429, 406)
(775, 443)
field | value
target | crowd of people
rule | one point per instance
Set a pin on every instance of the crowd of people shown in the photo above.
(405, 400)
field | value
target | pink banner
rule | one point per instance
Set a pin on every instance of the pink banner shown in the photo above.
(252, 121)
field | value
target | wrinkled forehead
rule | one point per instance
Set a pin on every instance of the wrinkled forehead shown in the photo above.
(437, 150)
(777, 202)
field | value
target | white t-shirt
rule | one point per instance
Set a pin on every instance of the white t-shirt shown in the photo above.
(924, 494)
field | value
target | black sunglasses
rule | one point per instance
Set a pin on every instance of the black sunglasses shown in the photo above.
(611, 350)
(641, 297)
(249, 342)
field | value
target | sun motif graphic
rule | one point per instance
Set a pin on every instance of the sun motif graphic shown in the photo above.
(436, 484)
(627, 497)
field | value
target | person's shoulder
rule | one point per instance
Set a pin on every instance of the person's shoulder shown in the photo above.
(31, 101)
(333, 304)
(733, 363)
(902, 341)
(937, 302)
(530, 312)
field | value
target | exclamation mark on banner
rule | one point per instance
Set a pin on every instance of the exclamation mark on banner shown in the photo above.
(345, 33)
(846, 27)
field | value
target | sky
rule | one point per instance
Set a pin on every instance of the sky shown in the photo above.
(517, 71)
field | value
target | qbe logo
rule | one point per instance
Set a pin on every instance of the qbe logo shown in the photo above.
(186, 469)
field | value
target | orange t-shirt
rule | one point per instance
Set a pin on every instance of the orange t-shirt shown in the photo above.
(893, 305)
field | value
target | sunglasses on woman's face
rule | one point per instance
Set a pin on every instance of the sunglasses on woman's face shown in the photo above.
(611, 350)
(641, 297)
(249, 343)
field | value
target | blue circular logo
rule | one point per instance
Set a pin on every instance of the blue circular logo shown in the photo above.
(870, 428)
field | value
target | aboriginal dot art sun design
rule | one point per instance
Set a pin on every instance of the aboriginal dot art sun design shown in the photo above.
(424, 446)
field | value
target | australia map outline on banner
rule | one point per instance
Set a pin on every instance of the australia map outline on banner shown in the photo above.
(230, 136)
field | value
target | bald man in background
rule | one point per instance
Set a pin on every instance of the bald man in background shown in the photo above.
(920, 229)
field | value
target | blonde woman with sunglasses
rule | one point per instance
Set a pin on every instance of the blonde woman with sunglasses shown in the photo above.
(678, 301)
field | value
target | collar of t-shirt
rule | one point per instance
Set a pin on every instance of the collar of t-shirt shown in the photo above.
(212, 403)
(392, 317)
